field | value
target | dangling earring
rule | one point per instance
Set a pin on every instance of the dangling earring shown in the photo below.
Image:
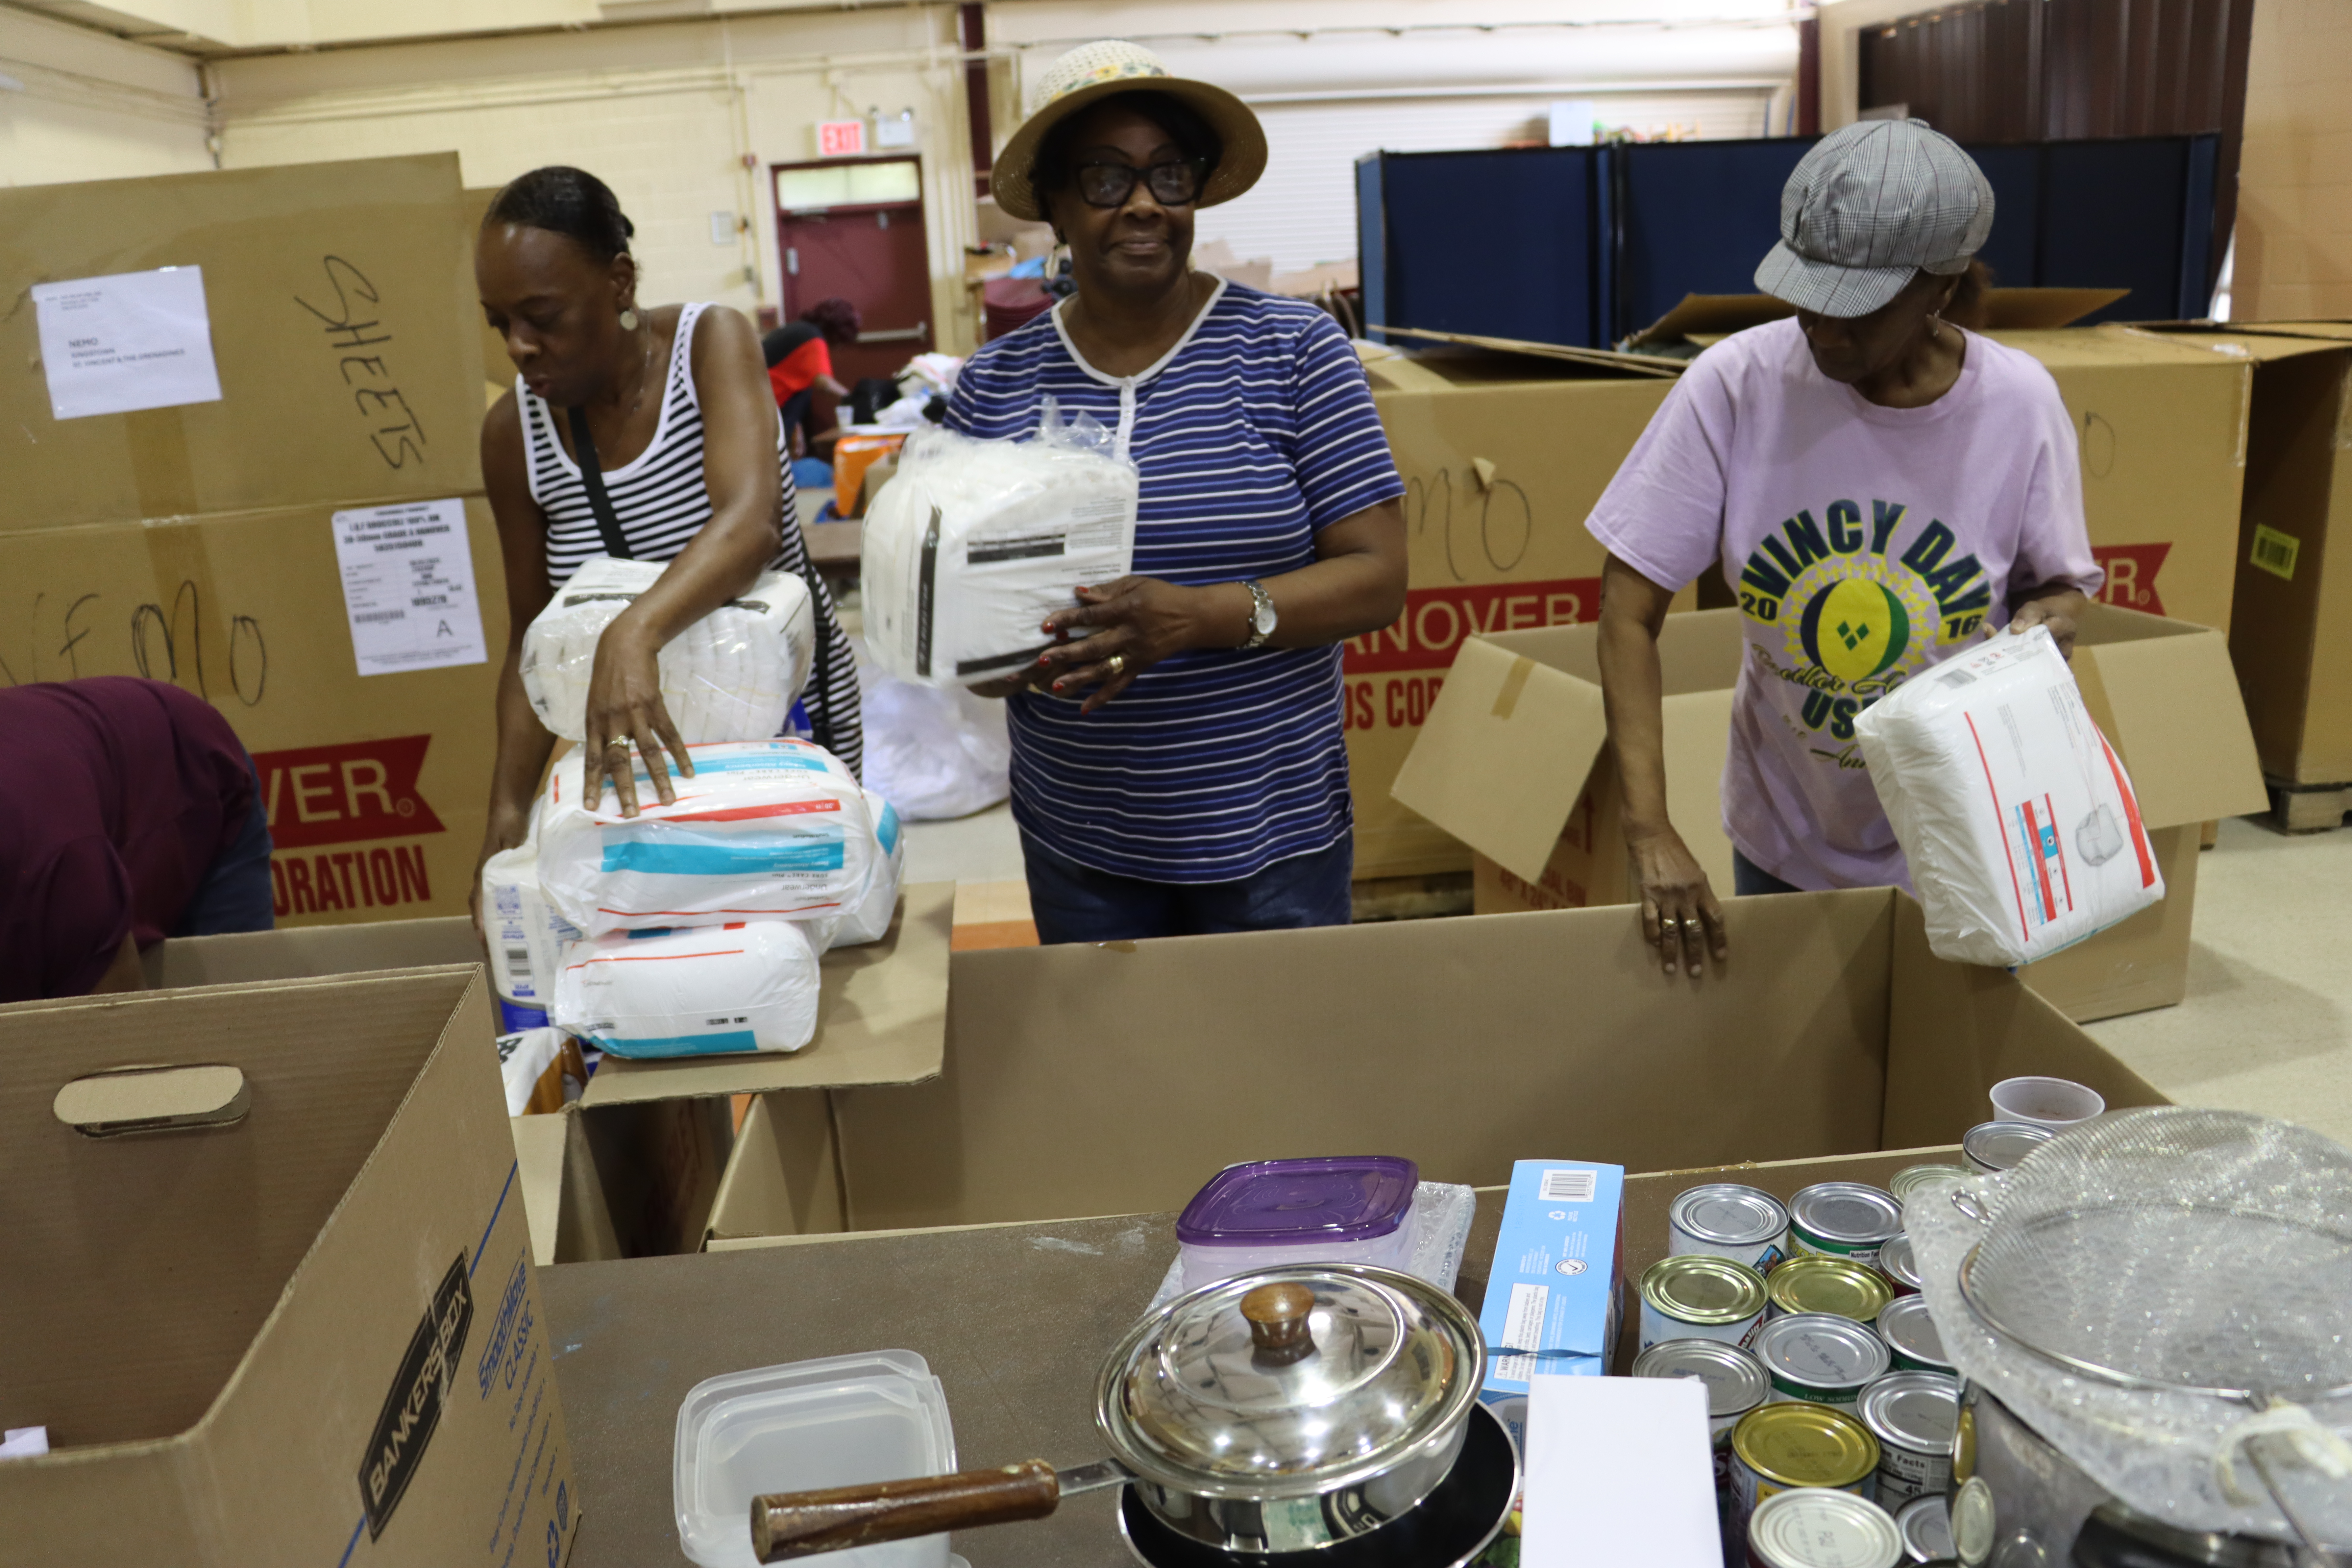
(629, 319)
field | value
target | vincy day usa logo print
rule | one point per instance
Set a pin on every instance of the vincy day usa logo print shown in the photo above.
(1856, 619)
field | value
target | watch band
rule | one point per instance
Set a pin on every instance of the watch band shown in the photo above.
(1262, 615)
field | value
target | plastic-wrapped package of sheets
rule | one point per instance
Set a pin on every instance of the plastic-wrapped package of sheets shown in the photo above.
(748, 986)
(526, 935)
(731, 676)
(870, 921)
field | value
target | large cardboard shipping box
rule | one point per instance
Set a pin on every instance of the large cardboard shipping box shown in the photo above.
(270, 1285)
(1119, 1077)
(344, 323)
(377, 783)
(1515, 759)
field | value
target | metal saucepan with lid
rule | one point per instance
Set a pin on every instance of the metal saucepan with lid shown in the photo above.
(1276, 1413)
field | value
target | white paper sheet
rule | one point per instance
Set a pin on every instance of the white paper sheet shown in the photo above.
(408, 586)
(1619, 1470)
(126, 341)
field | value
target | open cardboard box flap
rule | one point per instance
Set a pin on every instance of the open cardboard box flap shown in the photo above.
(2165, 693)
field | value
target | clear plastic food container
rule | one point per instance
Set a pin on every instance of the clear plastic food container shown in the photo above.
(1346, 1209)
(879, 1417)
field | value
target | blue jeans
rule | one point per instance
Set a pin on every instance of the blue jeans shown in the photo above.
(1747, 878)
(235, 894)
(1071, 902)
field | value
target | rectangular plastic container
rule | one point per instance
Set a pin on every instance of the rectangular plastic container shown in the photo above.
(879, 1417)
(1268, 1213)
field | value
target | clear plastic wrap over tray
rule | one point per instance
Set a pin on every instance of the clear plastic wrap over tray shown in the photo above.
(731, 676)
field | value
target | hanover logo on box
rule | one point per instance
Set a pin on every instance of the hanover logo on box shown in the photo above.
(411, 1408)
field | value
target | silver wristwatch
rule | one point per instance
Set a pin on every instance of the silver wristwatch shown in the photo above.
(1262, 615)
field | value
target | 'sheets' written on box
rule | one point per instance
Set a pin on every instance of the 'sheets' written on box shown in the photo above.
(408, 586)
(126, 341)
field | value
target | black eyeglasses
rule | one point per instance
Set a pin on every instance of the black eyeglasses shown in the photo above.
(1172, 185)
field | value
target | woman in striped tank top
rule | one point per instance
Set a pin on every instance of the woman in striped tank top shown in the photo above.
(684, 434)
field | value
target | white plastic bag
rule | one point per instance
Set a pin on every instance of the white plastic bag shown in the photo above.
(731, 676)
(751, 986)
(2020, 824)
(526, 935)
(975, 542)
(773, 829)
(524, 1057)
(870, 921)
(937, 753)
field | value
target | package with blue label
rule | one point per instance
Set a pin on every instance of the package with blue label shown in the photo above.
(764, 829)
(1552, 1299)
(748, 986)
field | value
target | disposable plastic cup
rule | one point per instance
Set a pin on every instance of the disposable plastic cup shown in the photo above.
(2056, 1103)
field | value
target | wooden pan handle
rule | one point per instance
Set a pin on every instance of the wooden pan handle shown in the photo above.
(786, 1525)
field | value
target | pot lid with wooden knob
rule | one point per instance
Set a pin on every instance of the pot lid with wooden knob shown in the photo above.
(1289, 1381)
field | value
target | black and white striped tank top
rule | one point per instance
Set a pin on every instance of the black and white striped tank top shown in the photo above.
(661, 502)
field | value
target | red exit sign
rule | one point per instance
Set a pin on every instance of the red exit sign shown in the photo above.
(840, 138)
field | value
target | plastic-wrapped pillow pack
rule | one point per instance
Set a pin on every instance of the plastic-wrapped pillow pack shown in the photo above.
(526, 935)
(765, 829)
(975, 542)
(749, 985)
(2020, 824)
(731, 676)
(870, 921)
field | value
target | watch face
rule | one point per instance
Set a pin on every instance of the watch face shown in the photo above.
(1262, 618)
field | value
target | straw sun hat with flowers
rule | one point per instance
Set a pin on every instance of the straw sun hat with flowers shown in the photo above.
(1092, 72)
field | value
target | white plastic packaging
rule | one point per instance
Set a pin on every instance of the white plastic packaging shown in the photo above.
(975, 542)
(937, 752)
(524, 1057)
(731, 676)
(526, 935)
(765, 829)
(2020, 824)
(751, 986)
(870, 921)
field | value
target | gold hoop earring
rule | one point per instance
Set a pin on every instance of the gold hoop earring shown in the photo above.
(629, 321)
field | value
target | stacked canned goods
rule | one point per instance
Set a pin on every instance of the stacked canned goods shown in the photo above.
(1781, 1446)
(1736, 1384)
(1833, 1285)
(1815, 1529)
(1724, 1219)
(1700, 1296)
(1843, 1219)
(1999, 1145)
(1915, 1416)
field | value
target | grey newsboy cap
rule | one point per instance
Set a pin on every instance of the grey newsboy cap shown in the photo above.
(1871, 206)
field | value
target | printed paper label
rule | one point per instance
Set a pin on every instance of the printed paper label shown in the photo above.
(408, 586)
(126, 341)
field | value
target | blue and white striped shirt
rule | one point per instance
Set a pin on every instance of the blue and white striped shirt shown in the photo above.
(1254, 432)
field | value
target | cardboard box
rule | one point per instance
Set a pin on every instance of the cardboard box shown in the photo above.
(377, 786)
(1516, 762)
(1118, 1077)
(343, 319)
(288, 1316)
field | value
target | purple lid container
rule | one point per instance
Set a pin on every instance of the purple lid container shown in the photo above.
(1273, 1202)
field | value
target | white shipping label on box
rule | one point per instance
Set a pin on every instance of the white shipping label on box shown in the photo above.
(126, 341)
(408, 586)
(1619, 1469)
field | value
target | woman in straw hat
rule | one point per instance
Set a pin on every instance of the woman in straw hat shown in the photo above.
(1881, 488)
(1176, 755)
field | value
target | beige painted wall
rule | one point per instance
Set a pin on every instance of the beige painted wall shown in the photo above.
(665, 114)
(93, 107)
(2294, 182)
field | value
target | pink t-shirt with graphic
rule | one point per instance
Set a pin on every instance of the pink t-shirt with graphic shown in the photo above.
(1864, 544)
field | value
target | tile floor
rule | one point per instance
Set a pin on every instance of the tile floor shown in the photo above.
(2267, 1024)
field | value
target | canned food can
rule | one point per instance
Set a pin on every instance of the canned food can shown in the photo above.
(1916, 1417)
(1735, 1383)
(1901, 1268)
(1821, 1359)
(1819, 1283)
(1912, 1342)
(1724, 1219)
(1999, 1145)
(1912, 1179)
(1778, 1448)
(1927, 1526)
(1700, 1296)
(1814, 1528)
(1843, 1219)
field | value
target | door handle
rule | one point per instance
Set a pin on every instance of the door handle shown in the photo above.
(897, 334)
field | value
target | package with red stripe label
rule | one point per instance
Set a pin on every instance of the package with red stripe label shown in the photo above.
(748, 986)
(764, 829)
(2017, 819)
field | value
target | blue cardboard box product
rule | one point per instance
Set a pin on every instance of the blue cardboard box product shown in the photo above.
(1552, 1299)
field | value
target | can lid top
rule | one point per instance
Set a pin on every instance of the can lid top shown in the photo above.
(1815, 1529)
(1729, 1215)
(1700, 1288)
(1736, 1382)
(1909, 1326)
(1846, 1211)
(1819, 1350)
(1999, 1145)
(1896, 1262)
(1927, 1526)
(1834, 1285)
(1915, 1410)
(1911, 1178)
(1792, 1442)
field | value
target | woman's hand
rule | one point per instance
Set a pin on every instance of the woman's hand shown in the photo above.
(624, 705)
(1680, 917)
(1135, 622)
(507, 829)
(2058, 611)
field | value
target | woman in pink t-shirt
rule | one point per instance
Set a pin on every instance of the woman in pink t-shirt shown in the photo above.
(1881, 488)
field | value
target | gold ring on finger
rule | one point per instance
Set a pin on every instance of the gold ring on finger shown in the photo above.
(1116, 664)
